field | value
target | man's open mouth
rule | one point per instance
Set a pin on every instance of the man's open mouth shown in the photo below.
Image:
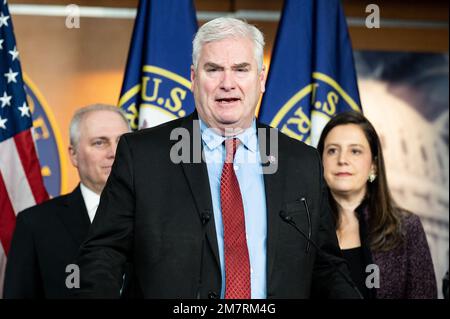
(228, 100)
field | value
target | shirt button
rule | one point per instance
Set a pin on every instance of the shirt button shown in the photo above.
(236, 167)
(251, 270)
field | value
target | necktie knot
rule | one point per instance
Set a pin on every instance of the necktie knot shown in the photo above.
(231, 145)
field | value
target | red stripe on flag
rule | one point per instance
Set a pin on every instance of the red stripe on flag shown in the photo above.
(7, 218)
(27, 153)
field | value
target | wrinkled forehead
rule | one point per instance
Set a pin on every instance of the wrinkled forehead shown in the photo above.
(102, 123)
(228, 51)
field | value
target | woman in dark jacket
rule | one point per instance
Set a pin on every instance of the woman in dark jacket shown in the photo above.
(385, 246)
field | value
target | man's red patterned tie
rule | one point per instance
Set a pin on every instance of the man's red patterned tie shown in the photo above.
(237, 263)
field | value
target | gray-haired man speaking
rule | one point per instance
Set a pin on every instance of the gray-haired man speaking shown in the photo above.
(218, 224)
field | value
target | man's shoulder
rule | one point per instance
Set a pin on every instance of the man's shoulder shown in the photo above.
(158, 134)
(41, 212)
(290, 145)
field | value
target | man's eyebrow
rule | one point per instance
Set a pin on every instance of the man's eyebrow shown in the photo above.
(241, 65)
(212, 65)
(104, 138)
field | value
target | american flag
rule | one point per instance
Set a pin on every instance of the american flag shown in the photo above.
(21, 184)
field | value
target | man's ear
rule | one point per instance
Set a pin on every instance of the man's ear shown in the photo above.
(263, 78)
(73, 155)
(192, 77)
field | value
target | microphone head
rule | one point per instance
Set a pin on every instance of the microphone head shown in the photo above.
(206, 216)
(284, 215)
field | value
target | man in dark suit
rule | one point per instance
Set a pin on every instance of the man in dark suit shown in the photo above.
(213, 214)
(47, 236)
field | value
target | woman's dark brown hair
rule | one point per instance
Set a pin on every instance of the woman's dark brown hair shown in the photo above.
(384, 220)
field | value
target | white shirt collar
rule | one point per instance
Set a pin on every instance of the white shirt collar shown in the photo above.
(91, 200)
(212, 140)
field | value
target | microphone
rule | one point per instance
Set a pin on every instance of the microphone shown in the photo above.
(305, 203)
(288, 219)
(205, 216)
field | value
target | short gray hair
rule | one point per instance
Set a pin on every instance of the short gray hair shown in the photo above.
(225, 28)
(74, 128)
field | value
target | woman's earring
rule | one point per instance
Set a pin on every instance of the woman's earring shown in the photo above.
(372, 177)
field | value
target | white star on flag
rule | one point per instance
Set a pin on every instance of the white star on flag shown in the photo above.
(2, 123)
(1, 44)
(11, 76)
(24, 110)
(3, 20)
(5, 99)
(14, 53)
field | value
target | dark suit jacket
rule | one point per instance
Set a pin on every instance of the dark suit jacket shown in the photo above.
(151, 210)
(46, 239)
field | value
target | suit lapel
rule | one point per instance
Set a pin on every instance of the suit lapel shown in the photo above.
(273, 184)
(196, 173)
(75, 216)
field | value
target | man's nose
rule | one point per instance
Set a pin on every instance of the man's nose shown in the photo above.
(111, 152)
(228, 82)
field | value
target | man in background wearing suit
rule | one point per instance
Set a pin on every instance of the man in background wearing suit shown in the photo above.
(211, 215)
(47, 236)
